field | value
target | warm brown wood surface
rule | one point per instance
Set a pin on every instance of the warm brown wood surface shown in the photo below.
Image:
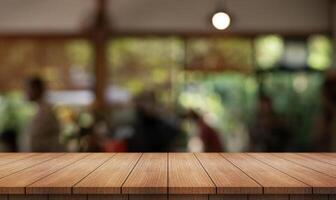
(150, 176)
(109, 178)
(61, 182)
(174, 176)
(272, 180)
(321, 183)
(227, 178)
(187, 176)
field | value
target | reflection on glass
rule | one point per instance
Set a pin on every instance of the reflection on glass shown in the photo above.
(219, 54)
(138, 64)
(295, 55)
(269, 51)
(320, 52)
(64, 64)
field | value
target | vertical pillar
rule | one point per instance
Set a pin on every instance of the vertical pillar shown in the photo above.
(333, 27)
(100, 37)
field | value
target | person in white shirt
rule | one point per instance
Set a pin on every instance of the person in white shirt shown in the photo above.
(42, 132)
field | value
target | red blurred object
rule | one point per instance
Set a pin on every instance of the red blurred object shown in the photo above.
(115, 146)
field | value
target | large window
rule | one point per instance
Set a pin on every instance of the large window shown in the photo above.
(313, 52)
(219, 54)
(65, 64)
(142, 64)
(67, 67)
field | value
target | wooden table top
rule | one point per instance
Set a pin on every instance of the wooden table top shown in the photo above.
(167, 173)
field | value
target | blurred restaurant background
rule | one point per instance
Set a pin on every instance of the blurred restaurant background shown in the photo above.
(156, 75)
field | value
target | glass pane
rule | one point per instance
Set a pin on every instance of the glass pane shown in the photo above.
(219, 54)
(295, 54)
(295, 99)
(269, 51)
(140, 64)
(225, 100)
(64, 64)
(320, 52)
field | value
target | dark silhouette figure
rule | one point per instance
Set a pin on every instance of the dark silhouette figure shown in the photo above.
(152, 132)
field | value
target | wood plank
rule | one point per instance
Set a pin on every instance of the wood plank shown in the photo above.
(16, 183)
(332, 197)
(308, 197)
(6, 158)
(28, 197)
(228, 178)
(327, 158)
(273, 181)
(268, 197)
(67, 197)
(187, 176)
(108, 179)
(25, 163)
(61, 182)
(321, 183)
(228, 197)
(3, 197)
(188, 197)
(108, 197)
(150, 175)
(307, 162)
(147, 197)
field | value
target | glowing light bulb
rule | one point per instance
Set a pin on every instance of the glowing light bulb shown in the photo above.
(221, 20)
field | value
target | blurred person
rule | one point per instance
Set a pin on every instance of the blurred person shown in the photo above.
(153, 132)
(42, 132)
(324, 137)
(268, 132)
(210, 139)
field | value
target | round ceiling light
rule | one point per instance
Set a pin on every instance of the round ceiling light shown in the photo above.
(221, 20)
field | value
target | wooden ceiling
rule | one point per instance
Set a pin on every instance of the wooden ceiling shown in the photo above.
(165, 16)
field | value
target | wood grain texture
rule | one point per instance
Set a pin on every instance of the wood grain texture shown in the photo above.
(67, 197)
(61, 182)
(189, 197)
(332, 197)
(327, 158)
(150, 175)
(16, 183)
(162, 176)
(228, 197)
(273, 181)
(108, 178)
(308, 197)
(147, 197)
(228, 178)
(28, 197)
(187, 176)
(316, 165)
(12, 157)
(108, 197)
(25, 163)
(321, 183)
(268, 197)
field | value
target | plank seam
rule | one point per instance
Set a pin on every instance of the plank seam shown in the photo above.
(122, 185)
(308, 156)
(262, 187)
(91, 172)
(16, 160)
(32, 166)
(304, 165)
(54, 172)
(206, 172)
(282, 172)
